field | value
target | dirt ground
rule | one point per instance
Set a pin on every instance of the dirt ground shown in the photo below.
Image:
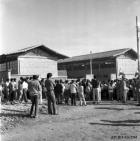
(108, 121)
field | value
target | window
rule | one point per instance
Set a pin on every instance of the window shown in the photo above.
(3, 67)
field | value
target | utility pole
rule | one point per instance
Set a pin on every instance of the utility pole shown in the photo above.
(137, 31)
(91, 62)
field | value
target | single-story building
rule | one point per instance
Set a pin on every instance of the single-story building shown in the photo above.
(105, 65)
(29, 61)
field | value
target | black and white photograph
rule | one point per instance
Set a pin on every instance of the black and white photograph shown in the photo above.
(69, 70)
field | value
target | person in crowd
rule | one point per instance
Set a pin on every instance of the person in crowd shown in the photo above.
(110, 90)
(12, 91)
(67, 92)
(88, 90)
(58, 92)
(40, 96)
(118, 90)
(34, 91)
(114, 90)
(138, 88)
(2, 96)
(98, 94)
(124, 89)
(43, 88)
(84, 85)
(49, 84)
(20, 88)
(28, 80)
(130, 92)
(73, 91)
(1, 92)
(15, 92)
(105, 90)
(134, 89)
(95, 84)
(80, 90)
(63, 89)
(24, 89)
(55, 90)
(6, 91)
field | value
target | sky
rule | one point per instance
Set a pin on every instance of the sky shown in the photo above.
(70, 27)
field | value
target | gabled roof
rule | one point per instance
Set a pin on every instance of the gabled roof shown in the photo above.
(100, 55)
(23, 51)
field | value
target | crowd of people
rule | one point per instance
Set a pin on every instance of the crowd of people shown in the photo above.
(67, 92)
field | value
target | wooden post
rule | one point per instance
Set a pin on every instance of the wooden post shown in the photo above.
(91, 63)
(137, 30)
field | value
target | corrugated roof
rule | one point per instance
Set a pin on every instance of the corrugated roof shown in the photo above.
(106, 54)
(24, 50)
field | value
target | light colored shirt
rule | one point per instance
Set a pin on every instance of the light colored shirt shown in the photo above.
(12, 86)
(63, 87)
(67, 86)
(80, 89)
(25, 85)
(73, 88)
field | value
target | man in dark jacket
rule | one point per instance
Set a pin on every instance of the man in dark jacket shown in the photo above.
(95, 84)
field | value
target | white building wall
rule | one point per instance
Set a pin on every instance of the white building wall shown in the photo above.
(29, 65)
(127, 66)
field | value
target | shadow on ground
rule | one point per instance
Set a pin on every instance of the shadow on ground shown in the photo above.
(109, 108)
(137, 112)
(122, 121)
(118, 123)
(14, 115)
(13, 110)
(106, 102)
(133, 109)
(20, 113)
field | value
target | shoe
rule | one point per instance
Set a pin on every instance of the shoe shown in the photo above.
(35, 116)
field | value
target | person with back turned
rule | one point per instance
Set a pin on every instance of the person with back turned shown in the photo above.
(34, 91)
(49, 84)
(124, 89)
(95, 85)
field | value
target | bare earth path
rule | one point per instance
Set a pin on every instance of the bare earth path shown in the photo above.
(104, 122)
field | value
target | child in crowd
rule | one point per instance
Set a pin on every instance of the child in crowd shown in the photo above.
(81, 94)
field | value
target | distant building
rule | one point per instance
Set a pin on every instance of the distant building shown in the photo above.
(105, 65)
(28, 61)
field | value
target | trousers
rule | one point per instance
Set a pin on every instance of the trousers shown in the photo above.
(73, 99)
(34, 100)
(51, 102)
